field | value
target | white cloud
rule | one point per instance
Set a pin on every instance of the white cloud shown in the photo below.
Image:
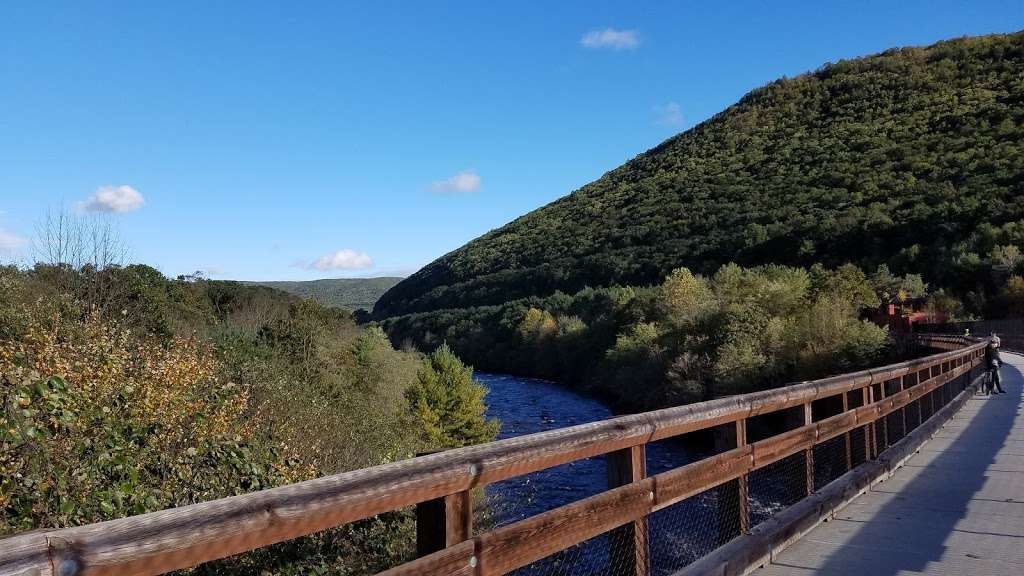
(117, 199)
(343, 260)
(9, 242)
(611, 38)
(465, 181)
(669, 115)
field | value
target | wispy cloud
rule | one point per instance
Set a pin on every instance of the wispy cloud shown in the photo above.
(10, 242)
(116, 199)
(345, 259)
(669, 115)
(611, 38)
(465, 181)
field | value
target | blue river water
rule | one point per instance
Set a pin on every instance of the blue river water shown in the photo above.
(526, 406)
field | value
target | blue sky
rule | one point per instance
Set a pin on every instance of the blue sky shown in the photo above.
(306, 140)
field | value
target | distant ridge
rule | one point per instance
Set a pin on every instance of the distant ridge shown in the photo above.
(350, 293)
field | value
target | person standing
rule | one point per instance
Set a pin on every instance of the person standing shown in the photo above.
(993, 386)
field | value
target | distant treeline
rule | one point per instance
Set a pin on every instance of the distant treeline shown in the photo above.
(688, 339)
(349, 293)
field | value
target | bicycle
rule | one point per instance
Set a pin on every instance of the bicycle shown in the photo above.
(992, 379)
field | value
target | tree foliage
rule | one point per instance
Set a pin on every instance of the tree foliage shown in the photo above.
(124, 392)
(688, 339)
(448, 403)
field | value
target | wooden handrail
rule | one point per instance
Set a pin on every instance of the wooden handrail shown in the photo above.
(162, 541)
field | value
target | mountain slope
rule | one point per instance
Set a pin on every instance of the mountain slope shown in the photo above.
(896, 158)
(351, 293)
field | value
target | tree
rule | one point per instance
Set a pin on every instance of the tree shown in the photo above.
(685, 297)
(1005, 258)
(1013, 296)
(449, 404)
(848, 282)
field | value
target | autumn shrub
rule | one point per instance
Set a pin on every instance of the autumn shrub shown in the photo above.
(96, 424)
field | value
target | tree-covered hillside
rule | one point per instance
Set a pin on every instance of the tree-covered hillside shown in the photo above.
(911, 158)
(124, 392)
(350, 293)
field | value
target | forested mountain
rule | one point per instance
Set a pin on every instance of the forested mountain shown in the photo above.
(351, 293)
(910, 158)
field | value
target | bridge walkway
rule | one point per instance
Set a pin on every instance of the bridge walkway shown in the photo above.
(956, 507)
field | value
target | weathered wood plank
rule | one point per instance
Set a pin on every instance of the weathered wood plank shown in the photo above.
(625, 467)
(510, 547)
(459, 560)
(443, 522)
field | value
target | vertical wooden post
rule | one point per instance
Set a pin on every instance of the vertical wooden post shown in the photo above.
(846, 437)
(733, 496)
(903, 411)
(443, 522)
(867, 393)
(884, 419)
(624, 467)
(809, 452)
(744, 481)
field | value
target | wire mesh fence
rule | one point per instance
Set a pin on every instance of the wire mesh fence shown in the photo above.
(831, 460)
(678, 535)
(593, 556)
(777, 486)
(685, 532)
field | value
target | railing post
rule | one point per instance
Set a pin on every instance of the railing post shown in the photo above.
(867, 395)
(884, 389)
(809, 452)
(443, 522)
(846, 437)
(624, 467)
(733, 496)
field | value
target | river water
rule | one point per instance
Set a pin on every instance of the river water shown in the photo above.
(528, 405)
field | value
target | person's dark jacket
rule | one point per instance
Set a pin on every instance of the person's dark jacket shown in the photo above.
(991, 353)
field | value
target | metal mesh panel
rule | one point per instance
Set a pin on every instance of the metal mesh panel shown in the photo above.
(588, 557)
(858, 445)
(913, 415)
(829, 461)
(520, 497)
(686, 531)
(894, 427)
(776, 487)
(926, 406)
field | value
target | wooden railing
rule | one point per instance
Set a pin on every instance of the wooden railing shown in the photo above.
(1009, 330)
(440, 484)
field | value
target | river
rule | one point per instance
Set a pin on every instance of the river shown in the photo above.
(528, 405)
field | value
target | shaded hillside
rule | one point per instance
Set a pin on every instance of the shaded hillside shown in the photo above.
(351, 293)
(910, 158)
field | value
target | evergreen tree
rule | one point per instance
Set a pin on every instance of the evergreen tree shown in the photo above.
(449, 404)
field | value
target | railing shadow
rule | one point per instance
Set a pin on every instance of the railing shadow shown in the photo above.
(911, 530)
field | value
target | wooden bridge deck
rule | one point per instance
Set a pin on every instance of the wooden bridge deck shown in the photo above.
(956, 507)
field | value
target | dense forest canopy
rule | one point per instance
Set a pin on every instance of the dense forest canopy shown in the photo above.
(910, 158)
